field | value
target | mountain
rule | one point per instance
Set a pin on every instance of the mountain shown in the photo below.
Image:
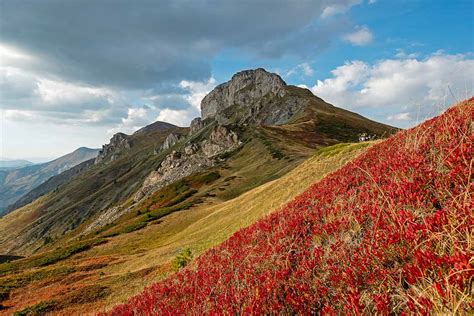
(16, 183)
(389, 233)
(11, 164)
(142, 190)
(51, 184)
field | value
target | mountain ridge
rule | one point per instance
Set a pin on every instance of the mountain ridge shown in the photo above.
(132, 167)
(16, 183)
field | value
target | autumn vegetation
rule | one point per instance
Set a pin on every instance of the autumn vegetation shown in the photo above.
(388, 233)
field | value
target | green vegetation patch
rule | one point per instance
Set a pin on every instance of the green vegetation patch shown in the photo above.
(209, 177)
(274, 152)
(126, 229)
(340, 129)
(87, 294)
(38, 309)
(334, 150)
(63, 253)
(50, 257)
(8, 258)
(182, 259)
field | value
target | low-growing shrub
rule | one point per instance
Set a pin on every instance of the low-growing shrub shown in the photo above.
(182, 259)
(63, 253)
(38, 309)
(388, 233)
(209, 177)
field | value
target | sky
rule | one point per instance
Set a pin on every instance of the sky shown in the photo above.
(73, 73)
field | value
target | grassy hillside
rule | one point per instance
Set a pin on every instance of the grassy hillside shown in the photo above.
(72, 206)
(19, 181)
(92, 275)
(389, 233)
(95, 189)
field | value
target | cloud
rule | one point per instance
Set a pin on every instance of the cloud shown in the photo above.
(403, 90)
(362, 36)
(131, 45)
(98, 70)
(136, 118)
(338, 7)
(197, 91)
(177, 117)
(304, 68)
(404, 116)
(57, 101)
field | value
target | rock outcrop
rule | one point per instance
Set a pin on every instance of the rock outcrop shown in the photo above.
(251, 97)
(196, 125)
(110, 151)
(195, 157)
(170, 141)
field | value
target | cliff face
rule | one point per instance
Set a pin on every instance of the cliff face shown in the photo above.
(110, 151)
(252, 97)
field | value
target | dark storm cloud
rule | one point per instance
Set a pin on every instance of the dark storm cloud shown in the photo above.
(145, 44)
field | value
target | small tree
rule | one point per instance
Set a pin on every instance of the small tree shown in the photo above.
(182, 259)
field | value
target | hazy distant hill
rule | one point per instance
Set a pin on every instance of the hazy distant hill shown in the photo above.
(13, 164)
(14, 183)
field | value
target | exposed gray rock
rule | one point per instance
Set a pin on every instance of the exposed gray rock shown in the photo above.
(220, 139)
(195, 158)
(105, 218)
(191, 149)
(110, 151)
(251, 97)
(170, 141)
(196, 125)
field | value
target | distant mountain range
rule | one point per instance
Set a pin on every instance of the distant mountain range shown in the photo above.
(18, 177)
(13, 164)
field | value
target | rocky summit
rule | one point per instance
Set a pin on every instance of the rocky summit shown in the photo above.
(251, 97)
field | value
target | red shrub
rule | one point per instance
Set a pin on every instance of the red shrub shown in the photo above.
(389, 233)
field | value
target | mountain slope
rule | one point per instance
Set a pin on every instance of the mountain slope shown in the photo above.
(15, 183)
(14, 164)
(131, 168)
(51, 184)
(117, 172)
(387, 233)
(129, 261)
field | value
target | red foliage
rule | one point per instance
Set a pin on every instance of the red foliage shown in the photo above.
(387, 233)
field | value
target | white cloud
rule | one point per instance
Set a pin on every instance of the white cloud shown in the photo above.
(303, 68)
(404, 116)
(362, 36)
(404, 55)
(136, 119)
(338, 7)
(197, 91)
(400, 89)
(177, 117)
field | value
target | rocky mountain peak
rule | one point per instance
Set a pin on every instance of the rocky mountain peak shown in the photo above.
(109, 152)
(252, 97)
